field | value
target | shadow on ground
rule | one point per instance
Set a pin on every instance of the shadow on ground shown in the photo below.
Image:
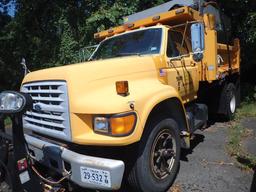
(253, 185)
(197, 139)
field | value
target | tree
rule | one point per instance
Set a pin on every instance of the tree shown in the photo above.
(50, 32)
(243, 16)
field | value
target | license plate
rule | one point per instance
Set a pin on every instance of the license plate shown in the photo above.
(95, 176)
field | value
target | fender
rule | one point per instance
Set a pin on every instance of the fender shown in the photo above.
(152, 94)
(145, 98)
(157, 96)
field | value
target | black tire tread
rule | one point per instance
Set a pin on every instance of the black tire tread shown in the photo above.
(229, 91)
(132, 177)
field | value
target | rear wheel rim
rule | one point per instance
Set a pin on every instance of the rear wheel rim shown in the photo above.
(233, 104)
(163, 154)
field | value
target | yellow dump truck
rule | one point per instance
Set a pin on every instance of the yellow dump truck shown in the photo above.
(122, 117)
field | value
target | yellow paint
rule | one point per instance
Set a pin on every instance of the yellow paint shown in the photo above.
(92, 91)
(170, 16)
(92, 85)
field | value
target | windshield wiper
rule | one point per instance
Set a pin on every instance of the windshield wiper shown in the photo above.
(117, 55)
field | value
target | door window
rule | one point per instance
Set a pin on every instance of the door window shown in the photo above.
(175, 47)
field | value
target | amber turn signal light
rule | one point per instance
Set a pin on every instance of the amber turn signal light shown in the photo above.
(123, 125)
(122, 88)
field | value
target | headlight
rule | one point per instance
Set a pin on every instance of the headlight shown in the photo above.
(116, 125)
(14, 102)
(101, 124)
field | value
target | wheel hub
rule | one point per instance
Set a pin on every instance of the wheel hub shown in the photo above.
(233, 104)
(163, 154)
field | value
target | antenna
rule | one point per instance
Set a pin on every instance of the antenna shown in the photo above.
(24, 66)
(201, 8)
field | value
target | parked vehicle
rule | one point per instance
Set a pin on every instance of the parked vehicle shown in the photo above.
(124, 115)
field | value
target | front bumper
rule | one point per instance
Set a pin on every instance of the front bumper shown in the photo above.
(76, 162)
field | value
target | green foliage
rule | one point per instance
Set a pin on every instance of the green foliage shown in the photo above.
(246, 110)
(7, 122)
(68, 44)
(243, 16)
(238, 133)
(248, 93)
(50, 33)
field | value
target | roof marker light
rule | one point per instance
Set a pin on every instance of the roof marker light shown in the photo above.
(179, 11)
(110, 31)
(156, 18)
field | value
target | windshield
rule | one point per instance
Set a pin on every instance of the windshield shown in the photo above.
(141, 42)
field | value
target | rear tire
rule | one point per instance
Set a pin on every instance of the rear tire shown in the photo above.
(229, 98)
(158, 158)
(238, 92)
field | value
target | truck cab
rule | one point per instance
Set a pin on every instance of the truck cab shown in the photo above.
(124, 115)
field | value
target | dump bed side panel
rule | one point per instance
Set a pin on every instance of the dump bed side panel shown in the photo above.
(224, 67)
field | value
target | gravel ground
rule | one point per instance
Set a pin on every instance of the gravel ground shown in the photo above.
(249, 144)
(206, 167)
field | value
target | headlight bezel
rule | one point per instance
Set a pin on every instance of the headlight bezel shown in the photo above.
(110, 128)
(101, 118)
(27, 102)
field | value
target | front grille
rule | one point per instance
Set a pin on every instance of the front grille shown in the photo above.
(50, 113)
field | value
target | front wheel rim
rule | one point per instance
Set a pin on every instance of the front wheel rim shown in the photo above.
(163, 154)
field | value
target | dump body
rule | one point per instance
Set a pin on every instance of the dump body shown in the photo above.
(219, 59)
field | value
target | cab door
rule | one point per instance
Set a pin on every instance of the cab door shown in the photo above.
(182, 71)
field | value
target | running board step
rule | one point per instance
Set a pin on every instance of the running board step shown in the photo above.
(197, 115)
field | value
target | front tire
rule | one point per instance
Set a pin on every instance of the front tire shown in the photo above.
(158, 158)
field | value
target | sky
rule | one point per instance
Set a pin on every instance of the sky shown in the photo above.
(11, 9)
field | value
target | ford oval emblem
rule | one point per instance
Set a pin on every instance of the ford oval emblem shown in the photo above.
(37, 107)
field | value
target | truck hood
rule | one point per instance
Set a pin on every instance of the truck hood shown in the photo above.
(91, 85)
(95, 70)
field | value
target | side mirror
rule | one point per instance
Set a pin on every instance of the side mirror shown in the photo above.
(197, 41)
(12, 102)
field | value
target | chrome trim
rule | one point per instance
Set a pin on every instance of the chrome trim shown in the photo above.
(50, 113)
